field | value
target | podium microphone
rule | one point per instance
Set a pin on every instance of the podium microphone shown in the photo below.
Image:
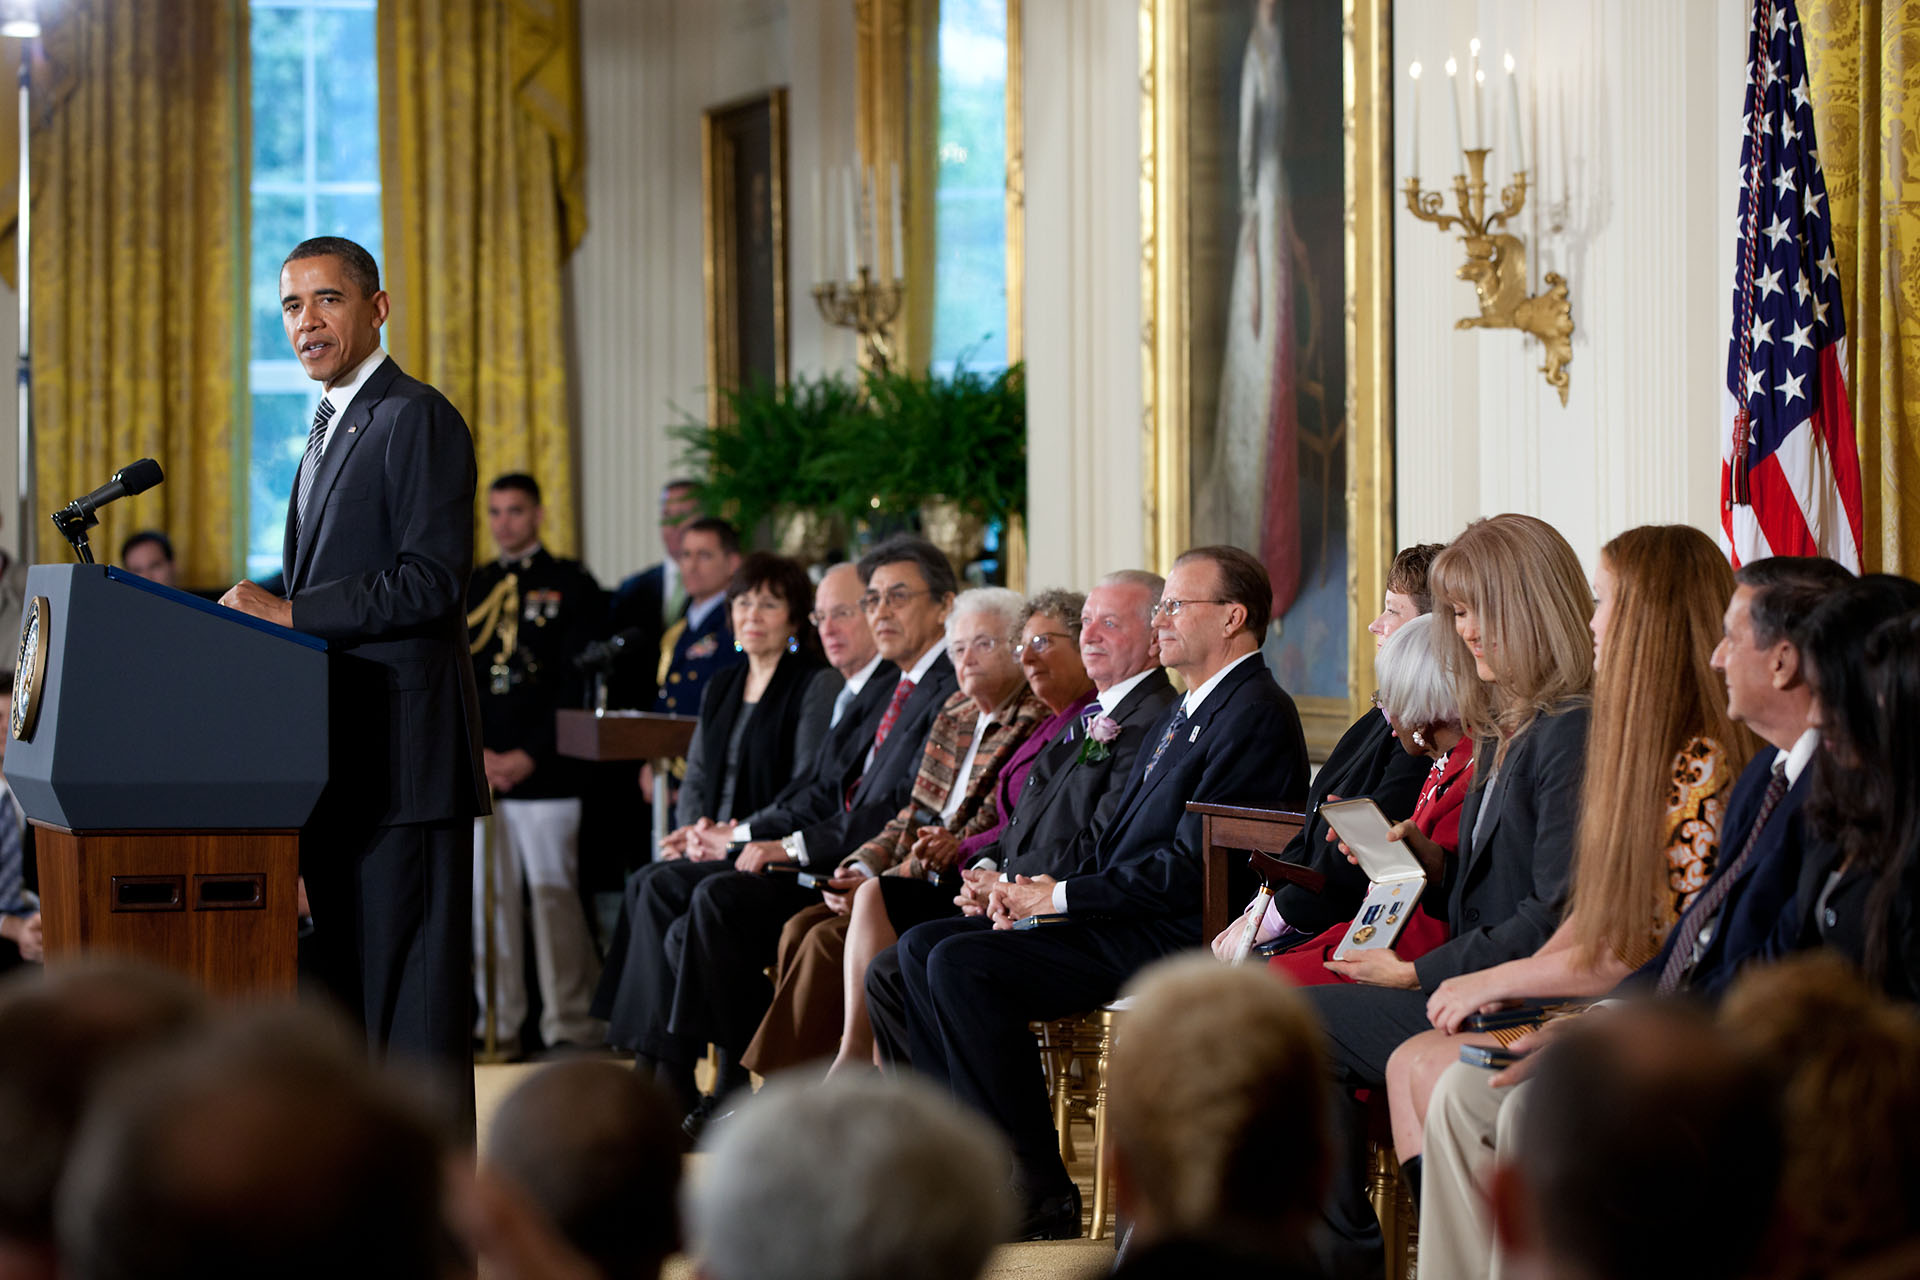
(74, 519)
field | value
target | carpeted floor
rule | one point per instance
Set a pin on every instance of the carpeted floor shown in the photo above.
(1080, 1259)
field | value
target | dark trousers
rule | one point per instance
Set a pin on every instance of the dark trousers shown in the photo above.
(1363, 1026)
(393, 943)
(732, 932)
(972, 990)
(887, 1008)
(636, 984)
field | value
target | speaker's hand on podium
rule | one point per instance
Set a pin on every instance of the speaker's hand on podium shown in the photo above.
(254, 599)
(24, 933)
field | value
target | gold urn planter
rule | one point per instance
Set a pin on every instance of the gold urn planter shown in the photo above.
(807, 534)
(956, 531)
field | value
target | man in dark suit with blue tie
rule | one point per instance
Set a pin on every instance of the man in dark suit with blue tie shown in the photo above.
(379, 547)
(973, 985)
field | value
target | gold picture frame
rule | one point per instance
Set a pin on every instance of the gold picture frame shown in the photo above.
(743, 172)
(1177, 93)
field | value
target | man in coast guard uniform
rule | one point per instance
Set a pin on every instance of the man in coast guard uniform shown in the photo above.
(698, 646)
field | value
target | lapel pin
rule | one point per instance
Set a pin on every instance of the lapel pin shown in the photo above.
(1194, 736)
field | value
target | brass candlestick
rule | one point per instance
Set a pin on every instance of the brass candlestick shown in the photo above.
(1497, 264)
(868, 307)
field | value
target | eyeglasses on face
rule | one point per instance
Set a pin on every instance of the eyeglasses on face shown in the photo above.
(1173, 608)
(839, 613)
(983, 645)
(1038, 645)
(894, 598)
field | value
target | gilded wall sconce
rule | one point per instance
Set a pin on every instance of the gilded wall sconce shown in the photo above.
(1496, 258)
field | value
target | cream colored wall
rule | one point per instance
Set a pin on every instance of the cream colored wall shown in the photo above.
(1651, 91)
(650, 68)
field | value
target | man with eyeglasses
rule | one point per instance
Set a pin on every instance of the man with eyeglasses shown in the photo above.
(973, 985)
(1075, 785)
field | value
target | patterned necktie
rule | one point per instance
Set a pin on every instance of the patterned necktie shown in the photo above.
(901, 692)
(310, 461)
(12, 855)
(1173, 727)
(1686, 935)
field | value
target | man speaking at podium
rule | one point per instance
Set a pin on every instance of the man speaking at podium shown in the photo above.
(378, 550)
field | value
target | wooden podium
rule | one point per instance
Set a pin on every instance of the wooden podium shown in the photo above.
(167, 751)
(628, 735)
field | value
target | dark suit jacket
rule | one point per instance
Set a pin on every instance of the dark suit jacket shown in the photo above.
(1243, 747)
(380, 571)
(1066, 803)
(816, 793)
(1763, 896)
(636, 612)
(886, 786)
(1507, 888)
(1367, 761)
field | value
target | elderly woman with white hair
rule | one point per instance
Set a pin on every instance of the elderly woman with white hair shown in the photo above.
(1416, 697)
(972, 738)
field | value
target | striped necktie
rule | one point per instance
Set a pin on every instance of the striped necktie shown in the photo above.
(310, 461)
(1706, 906)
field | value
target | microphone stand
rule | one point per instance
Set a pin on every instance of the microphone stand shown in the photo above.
(73, 525)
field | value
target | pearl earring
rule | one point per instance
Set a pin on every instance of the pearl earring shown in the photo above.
(1418, 740)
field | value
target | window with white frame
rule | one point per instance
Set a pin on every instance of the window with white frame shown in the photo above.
(316, 171)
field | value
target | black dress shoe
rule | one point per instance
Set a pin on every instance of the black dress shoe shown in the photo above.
(700, 1117)
(1054, 1218)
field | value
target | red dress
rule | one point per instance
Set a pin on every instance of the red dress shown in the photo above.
(1437, 815)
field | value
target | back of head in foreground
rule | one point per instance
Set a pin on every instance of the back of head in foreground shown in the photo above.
(265, 1147)
(62, 1032)
(863, 1179)
(597, 1148)
(1216, 1102)
(1650, 1147)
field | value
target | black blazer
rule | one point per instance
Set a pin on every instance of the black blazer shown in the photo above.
(767, 744)
(635, 613)
(1763, 895)
(1065, 803)
(379, 570)
(816, 794)
(1243, 747)
(1367, 761)
(886, 786)
(1506, 890)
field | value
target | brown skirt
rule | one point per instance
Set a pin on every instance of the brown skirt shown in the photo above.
(809, 986)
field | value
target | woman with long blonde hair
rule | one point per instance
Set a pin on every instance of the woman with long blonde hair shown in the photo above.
(1521, 661)
(1662, 757)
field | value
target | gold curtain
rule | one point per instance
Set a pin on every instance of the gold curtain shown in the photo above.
(1863, 57)
(482, 156)
(139, 249)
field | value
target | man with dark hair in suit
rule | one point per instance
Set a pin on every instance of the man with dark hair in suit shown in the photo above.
(973, 985)
(379, 547)
(1072, 792)
(701, 643)
(732, 927)
(149, 553)
(529, 613)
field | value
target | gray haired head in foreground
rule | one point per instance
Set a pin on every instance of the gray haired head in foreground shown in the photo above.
(849, 1180)
(1414, 688)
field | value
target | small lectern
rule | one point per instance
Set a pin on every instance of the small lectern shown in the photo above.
(628, 735)
(167, 751)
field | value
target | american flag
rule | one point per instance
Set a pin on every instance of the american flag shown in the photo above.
(1794, 488)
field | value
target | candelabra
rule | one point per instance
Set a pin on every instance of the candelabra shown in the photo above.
(1497, 263)
(868, 307)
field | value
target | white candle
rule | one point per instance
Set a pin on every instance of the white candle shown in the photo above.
(1513, 118)
(819, 232)
(871, 209)
(1414, 140)
(1479, 126)
(852, 228)
(899, 236)
(1453, 100)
